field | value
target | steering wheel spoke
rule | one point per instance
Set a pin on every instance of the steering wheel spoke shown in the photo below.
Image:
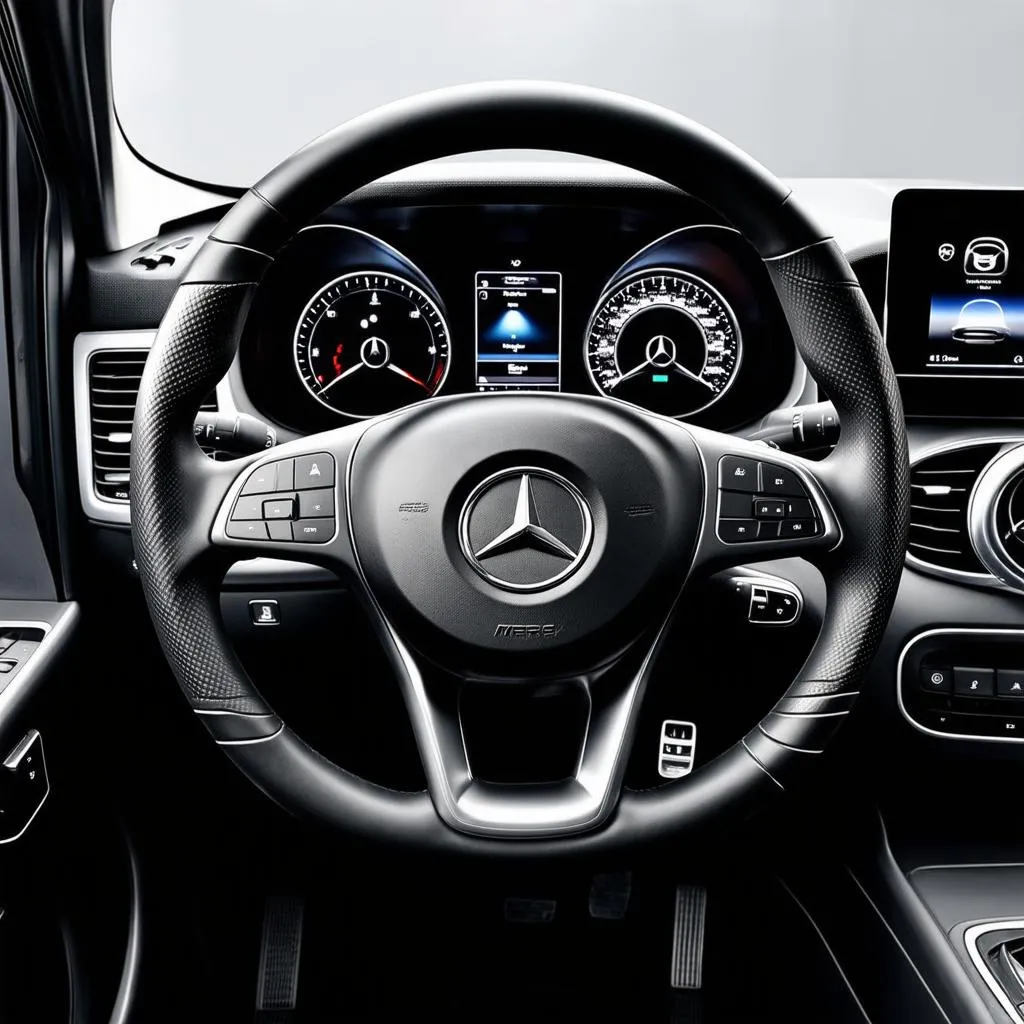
(581, 799)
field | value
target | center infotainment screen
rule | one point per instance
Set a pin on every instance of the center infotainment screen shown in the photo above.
(955, 300)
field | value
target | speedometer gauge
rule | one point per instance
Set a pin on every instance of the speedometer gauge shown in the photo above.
(368, 343)
(664, 340)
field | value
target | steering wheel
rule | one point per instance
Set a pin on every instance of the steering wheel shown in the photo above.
(519, 538)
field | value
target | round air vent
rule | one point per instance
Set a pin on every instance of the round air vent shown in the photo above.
(996, 517)
(1009, 519)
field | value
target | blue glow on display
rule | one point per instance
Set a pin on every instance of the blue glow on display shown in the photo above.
(518, 328)
(512, 326)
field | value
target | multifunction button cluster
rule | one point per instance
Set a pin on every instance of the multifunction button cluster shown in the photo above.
(287, 500)
(1004, 683)
(762, 501)
(772, 605)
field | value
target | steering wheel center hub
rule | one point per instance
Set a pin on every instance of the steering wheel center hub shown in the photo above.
(526, 529)
(523, 525)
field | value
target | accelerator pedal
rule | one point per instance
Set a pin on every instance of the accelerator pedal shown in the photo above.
(688, 954)
(277, 988)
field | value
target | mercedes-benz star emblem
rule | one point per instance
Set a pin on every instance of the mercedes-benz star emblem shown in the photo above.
(525, 529)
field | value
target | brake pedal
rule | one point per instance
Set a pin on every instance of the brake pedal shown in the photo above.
(277, 988)
(609, 895)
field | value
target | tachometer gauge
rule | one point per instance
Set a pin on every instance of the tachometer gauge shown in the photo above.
(664, 340)
(368, 343)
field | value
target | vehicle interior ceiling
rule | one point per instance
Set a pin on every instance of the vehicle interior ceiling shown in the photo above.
(482, 514)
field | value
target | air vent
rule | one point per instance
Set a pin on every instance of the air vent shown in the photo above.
(940, 488)
(114, 378)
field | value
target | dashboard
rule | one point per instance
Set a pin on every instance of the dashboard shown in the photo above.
(383, 305)
(586, 271)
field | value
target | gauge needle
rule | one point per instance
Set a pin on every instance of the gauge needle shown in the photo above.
(341, 376)
(406, 375)
(632, 373)
(693, 376)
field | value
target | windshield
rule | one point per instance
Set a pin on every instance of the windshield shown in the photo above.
(218, 91)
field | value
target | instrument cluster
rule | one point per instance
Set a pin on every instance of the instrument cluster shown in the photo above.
(376, 309)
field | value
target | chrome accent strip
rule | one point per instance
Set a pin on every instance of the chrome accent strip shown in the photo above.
(124, 1002)
(237, 714)
(249, 743)
(760, 764)
(87, 344)
(981, 517)
(803, 248)
(971, 937)
(949, 631)
(788, 746)
(812, 714)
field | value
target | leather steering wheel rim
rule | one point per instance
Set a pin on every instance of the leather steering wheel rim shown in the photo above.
(176, 491)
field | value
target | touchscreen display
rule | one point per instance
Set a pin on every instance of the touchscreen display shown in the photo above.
(518, 330)
(955, 295)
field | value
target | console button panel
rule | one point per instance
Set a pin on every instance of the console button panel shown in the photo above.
(763, 501)
(966, 684)
(287, 500)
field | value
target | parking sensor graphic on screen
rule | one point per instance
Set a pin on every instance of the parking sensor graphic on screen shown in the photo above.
(981, 322)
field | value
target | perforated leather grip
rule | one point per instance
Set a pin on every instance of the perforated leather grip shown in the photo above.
(843, 348)
(180, 572)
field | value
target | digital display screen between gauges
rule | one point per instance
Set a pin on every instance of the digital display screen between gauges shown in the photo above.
(665, 340)
(369, 342)
(518, 330)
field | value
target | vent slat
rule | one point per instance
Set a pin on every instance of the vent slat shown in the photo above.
(938, 529)
(935, 550)
(114, 379)
(941, 486)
